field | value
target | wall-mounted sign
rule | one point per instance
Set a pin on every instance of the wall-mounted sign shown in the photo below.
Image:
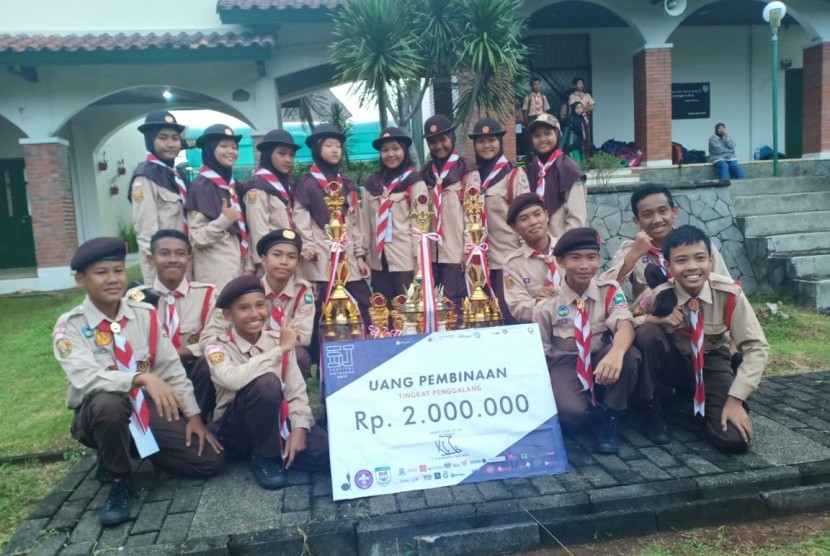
(689, 101)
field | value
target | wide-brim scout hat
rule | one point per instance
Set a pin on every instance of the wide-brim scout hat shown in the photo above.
(392, 134)
(159, 119)
(487, 127)
(217, 132)
(277, 137)
(437, 125)
(576, 239)
(238, 287)
(545, 119)
(98, 249)
(325, 131)
(275, 237)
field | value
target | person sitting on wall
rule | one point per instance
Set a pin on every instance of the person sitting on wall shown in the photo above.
(722, 155)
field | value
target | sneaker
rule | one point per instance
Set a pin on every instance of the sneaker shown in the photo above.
(655, 425)
(607, 440)
(117, 507)
(268, 472)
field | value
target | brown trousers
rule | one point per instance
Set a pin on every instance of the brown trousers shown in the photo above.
(102, 423)
(664, 362)
(451, 276)
(389, 283)
(250, 426)
(573, 403)
(497, 281)
(198, 372)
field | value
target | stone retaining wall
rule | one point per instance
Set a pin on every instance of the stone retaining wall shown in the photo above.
(707, 206)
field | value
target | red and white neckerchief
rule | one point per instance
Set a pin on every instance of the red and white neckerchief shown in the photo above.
(277, 310)
(537, 102)
(383, 224)
(582, 335)
(552, 277)
(427, 281)
(171, 318)
(543, 171)
(283, 420)
(282, 192)
(220, 182)
(438, 191)
(658, 254)
(326, 185)
(499, 166)
(696, 329)
(153, 159)
(125, 363)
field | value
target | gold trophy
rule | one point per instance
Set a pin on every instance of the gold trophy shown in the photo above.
(341, 317)
(479, 310)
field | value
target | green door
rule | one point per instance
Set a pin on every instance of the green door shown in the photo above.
(793, 112)
(18, 250)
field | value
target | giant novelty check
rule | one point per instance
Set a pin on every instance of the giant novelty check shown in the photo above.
(426, 411)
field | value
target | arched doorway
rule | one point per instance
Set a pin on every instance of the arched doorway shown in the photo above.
(17, 254)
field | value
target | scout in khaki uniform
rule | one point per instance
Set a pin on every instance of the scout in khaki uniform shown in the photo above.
(535, 103)
(126, 378)
(388, 211)
(269, 200)
(683, 338)
(531, 276)
(184, 307)
(556, 178)
(262, 408)
(654, 213)
(215, 219)
(587, 333)
(156, 190)
(447, 176)
(501, 182)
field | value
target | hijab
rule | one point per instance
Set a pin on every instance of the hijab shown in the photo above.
(309, 193)
(376, 183)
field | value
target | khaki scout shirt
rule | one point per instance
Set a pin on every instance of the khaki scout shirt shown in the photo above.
(556, 316)
(573, 213)
(194, 308)
(637, 275)
(535, 104)
(86, 356)
(314, 237)
(154, 208)
(524, 278)
(402, 252)
(745, 330)
(233, 367)
(586, 99)
(502, 239)
(217, 257)
(264, 213)
(303, 317)
(453, 219)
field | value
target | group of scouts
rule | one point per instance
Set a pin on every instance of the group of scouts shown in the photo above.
(209, 359)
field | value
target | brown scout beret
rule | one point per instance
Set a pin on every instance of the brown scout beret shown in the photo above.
(98, 249)
(520, 203)
(278, 236)
(236, 288)
(575, 239)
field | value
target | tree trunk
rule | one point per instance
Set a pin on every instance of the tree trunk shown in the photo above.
(382, 100)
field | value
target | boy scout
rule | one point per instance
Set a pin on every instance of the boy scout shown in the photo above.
(684, 344)
(530, 272)
(184, 308)
(126, 378)
(156, 191)
(588, 320)
(654, 213)
(262, 408)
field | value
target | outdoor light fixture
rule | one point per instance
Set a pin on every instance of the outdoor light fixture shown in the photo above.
(774, 12)
(674, 7)
(167, 95)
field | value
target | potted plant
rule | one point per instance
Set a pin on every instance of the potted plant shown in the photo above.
(114, 185)
(122, 169)
(102, 164)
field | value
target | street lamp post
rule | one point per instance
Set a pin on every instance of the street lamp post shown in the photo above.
(774, 12)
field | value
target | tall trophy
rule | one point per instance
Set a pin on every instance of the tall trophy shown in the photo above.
(480, 307)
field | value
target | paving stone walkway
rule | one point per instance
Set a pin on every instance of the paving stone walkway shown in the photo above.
(643, 489)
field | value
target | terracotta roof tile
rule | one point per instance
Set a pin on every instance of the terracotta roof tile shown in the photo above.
(135, 41)
(225, 5)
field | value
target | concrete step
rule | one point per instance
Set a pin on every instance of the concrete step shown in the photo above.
(813, 293)
(772, 186)
(809, 266)
(806, 243)
(787, 203)
(765, 225)
(629, 180)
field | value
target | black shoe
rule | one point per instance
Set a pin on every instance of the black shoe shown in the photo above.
(268, 472)
(655, 425)
(103, 474)
(117, 507)
(607, 440)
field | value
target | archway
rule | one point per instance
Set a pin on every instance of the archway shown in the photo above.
(15, 220)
